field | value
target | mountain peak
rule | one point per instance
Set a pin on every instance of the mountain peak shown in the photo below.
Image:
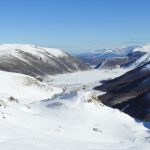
(32, 49)
(37, 61)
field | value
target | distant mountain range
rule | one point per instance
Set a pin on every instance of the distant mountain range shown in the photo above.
(41, 110)
(37, 61)
(130, 92)
(94, 57)
(131, 56)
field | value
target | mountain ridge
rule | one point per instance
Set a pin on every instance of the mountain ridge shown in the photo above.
(37, 61)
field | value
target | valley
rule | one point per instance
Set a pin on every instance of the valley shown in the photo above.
(65, 111)
(70, 119)
(74, 75)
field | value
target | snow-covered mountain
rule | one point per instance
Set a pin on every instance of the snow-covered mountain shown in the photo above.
(138, 56)
(131, 56)
(62, 112)
(98, 56)
(35, 116)
(129, 92)
(145, 58)
(116, 52)
(37, 61)
(24, 89)
(124, 62)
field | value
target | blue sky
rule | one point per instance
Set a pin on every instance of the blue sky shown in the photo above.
(75, 25)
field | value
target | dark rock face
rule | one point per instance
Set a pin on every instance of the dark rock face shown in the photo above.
(129, 92)
(137, 107)
(33, 65)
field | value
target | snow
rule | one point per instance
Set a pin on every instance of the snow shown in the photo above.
(72, 120)
(80, 78)
(113, 52)
(24, 88)
(141, 61)
(33, 49)
(144, 48)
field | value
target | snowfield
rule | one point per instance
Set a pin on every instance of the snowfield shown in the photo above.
(79, 79)
(63, 114)
(24, 88)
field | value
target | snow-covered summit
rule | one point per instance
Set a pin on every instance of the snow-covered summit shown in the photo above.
(114, 52)
(72, 120)
(33, 49)
(37, 61)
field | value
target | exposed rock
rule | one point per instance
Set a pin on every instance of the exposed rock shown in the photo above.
(129, 92)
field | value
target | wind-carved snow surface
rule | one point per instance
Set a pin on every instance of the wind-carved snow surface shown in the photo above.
(68, 120)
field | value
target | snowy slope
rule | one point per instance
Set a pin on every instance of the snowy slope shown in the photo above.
(37, 61)
(24, 88)
(145, 58)
(72, 120)
(141, 61)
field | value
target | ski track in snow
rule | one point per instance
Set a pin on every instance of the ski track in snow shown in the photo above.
(65, 119)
